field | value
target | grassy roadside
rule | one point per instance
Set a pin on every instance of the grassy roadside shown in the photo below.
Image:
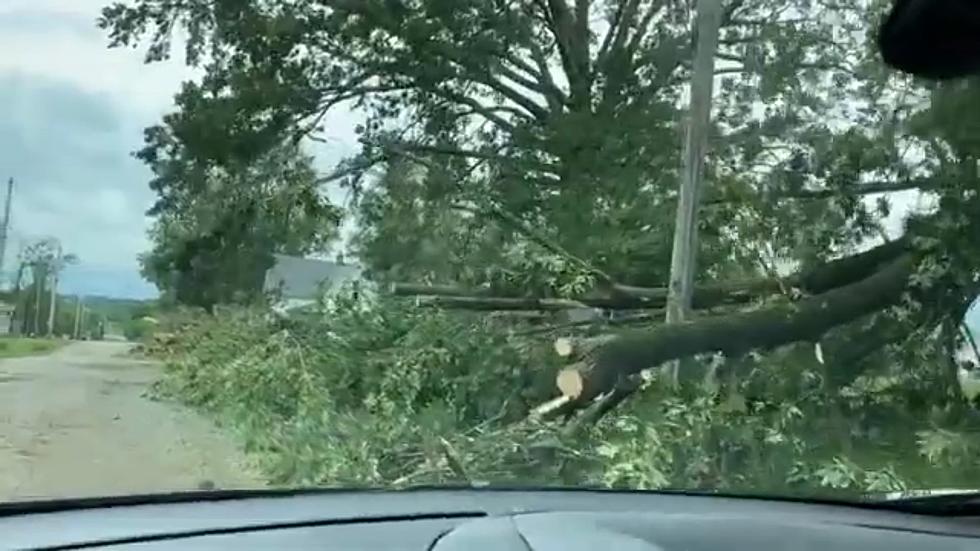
(16, 347)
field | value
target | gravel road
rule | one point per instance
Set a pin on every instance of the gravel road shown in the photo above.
(76, 424)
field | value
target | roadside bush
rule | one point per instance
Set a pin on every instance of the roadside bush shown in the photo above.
(41, 346)
(357, 391)
(379, 392)
(138, 329)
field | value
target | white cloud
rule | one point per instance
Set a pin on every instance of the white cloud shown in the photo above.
(59, 39)
(71, 112)
(83, 8)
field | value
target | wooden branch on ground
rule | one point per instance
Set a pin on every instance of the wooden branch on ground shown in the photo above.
(520, 315)
(737, 333)
(552, 408)
(422, 289)
(603, 405)
(645, 317)
(499, 303)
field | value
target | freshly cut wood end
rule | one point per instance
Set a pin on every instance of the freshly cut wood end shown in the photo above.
(572, 346)
(570, 382)
(550, 406)
(564, 346)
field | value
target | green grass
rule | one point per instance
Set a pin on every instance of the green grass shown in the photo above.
(16, 347)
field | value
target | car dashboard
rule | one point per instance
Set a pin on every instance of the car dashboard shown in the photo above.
(474, 520)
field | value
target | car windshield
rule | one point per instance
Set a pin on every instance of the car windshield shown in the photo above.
(712, 246)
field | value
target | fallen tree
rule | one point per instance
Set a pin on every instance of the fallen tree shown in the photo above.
(819, 299)
(737, 333)
(816, 280)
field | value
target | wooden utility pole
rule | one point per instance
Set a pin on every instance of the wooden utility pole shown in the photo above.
(5, 229)
(53, 302)
(78, 318)
(683, 258)
(18, 307)
(40, 276)
(55, 268)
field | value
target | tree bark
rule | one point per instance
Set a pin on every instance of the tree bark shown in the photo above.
(737, 333)
(846, 357)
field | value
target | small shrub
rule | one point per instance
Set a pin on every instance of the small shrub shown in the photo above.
(40, 346)
(138, 329)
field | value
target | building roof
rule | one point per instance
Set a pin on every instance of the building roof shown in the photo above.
(301, 278)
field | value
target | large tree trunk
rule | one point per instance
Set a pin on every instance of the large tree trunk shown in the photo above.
(738, 333)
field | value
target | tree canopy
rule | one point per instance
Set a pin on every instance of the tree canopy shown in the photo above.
(533, 147)
(218, 223)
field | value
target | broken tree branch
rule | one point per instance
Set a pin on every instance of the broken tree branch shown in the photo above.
(737, 333)
(816, 280)
(551, 408)
(419, 289)
(499, 303)
(541, 240)
(606, 403)
(644, 318)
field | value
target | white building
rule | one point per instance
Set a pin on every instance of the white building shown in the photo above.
(6, 318)
(299, 282)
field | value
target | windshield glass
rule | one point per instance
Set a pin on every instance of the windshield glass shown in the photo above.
(645, 244)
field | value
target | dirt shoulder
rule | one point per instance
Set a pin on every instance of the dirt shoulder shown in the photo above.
(75, 423)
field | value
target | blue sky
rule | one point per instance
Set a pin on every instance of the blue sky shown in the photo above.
(73, 111)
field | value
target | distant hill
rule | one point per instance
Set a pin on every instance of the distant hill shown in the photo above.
(118, 310)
